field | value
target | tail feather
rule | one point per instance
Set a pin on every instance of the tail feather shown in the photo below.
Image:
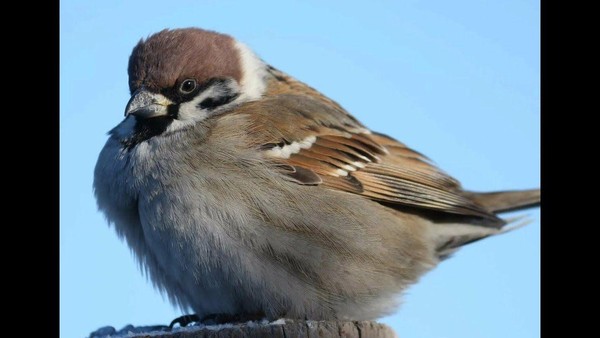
(504, 201)
(449, 237)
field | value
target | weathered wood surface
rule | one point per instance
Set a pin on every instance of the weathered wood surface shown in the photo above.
(278, 329)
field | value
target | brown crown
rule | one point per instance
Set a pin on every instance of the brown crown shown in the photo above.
(170, 56)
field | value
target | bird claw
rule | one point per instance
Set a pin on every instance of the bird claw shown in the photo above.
(184, 320)
(215, 319)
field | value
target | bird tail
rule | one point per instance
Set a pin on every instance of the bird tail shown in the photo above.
(505, 201)
(450, 237)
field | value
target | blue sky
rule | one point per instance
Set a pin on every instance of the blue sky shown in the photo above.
(456, 80)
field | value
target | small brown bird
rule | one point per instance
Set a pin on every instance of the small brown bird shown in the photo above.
(242, 191)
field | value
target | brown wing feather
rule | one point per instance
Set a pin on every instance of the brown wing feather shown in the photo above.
(323, 139)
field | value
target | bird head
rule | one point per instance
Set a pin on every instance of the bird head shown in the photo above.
(181, 76)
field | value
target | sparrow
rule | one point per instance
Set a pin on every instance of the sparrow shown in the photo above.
(243, 191)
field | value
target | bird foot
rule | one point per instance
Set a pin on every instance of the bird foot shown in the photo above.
(216, 319)
(184, 320)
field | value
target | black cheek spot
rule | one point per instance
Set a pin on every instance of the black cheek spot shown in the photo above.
(207, 103)
(213, 102)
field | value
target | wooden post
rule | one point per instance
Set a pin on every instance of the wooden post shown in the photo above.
(281, 328)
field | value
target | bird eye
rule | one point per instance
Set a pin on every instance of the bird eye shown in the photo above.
(188, 86)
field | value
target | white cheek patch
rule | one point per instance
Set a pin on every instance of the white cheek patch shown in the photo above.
(287, 150)
(190, 110)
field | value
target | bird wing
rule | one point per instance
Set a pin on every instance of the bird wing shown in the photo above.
(316, 142)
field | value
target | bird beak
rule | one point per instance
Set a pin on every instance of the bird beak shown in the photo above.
(146, 104)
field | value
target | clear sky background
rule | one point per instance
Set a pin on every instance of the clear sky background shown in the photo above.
(456, 80)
